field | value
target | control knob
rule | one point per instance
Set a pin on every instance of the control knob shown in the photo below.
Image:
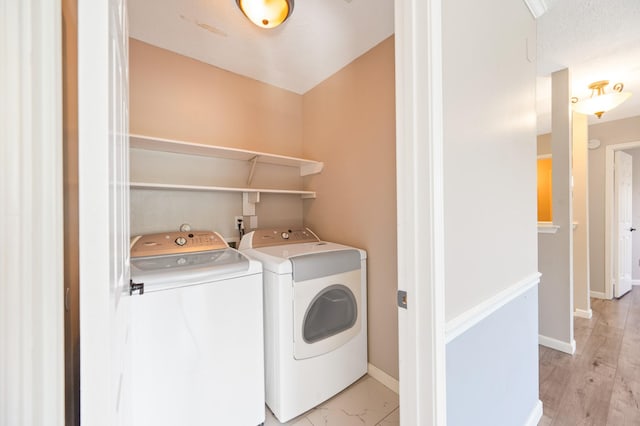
(181, 241)
(285, 235)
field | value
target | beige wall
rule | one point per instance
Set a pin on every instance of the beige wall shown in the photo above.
(609, 133)
(176, 97)
(580, 139)
(581, 255)
(349, 123)
(555, 255)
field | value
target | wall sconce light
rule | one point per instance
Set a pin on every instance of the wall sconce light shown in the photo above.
(599, 102)
(266, 13)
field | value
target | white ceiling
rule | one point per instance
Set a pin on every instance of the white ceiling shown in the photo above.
(320, 37)
(595, 39)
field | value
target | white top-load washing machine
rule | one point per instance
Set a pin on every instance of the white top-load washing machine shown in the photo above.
(315, 324)
(196, 332)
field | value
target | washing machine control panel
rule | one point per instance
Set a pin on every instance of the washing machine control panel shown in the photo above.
(276, 236)
(176, 242)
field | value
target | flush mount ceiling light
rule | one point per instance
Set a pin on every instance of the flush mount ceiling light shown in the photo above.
(266, 13)
(599, 102)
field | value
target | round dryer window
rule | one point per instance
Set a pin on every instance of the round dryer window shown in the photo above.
(327, 301)
(332, 311)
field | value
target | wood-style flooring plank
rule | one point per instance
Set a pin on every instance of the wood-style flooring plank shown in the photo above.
(625, 403)
(586, 399)
(600, 383)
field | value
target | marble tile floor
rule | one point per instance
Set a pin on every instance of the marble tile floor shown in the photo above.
(366, 402)
(600, 384)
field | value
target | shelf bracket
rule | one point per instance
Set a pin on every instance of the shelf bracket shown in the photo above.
(311, 168)
(253, 161)
(249, 200)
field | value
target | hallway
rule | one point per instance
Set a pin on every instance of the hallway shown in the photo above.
(600, 384)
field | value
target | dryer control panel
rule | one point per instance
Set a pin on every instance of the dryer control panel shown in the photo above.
(277, 236)
(176, 243)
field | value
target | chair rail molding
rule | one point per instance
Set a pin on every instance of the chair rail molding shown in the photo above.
(463, 322)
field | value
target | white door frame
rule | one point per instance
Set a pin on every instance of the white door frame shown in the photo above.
(609, 238)
(31, 216)
(419, 169)
(418, 42)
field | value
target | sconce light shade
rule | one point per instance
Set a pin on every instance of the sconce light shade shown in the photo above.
(266, 13)
(601, 102)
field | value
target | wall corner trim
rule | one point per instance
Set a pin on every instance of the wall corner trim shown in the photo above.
(582, 313)
(535, 416)
(598, 295)
(559, 345)
(383, 378)
(463, 322)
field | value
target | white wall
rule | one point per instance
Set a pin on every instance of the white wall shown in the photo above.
(161, 210)
(489, 150)
(499, 351)
(489, 205)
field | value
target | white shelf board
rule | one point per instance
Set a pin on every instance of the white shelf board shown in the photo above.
(307, 167)
(173, 187)
(547, 228)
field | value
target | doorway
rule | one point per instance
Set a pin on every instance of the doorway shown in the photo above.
(611, 226)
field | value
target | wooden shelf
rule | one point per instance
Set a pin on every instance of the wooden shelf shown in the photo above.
(173, 187)
(307, 167)
(250, 196)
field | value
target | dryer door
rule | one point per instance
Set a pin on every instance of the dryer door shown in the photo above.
(327, 301)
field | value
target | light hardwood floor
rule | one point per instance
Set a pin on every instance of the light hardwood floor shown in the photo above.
(600, 384)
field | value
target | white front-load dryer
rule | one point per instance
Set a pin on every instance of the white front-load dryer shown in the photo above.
(315, 323)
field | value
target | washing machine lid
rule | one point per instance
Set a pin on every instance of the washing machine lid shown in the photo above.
(178, 270)
(176, 259)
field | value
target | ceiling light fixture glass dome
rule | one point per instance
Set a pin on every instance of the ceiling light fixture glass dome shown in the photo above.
(266, 13)
(599, 102)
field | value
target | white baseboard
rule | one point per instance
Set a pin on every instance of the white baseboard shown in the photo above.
(473, 316)
(635, 282)
(583, 314)
(550, 342)
(598, 295)
(383, 378)
(535, 416)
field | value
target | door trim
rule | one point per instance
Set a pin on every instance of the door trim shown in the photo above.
(609, 243)
(420, 201)
(31, 217)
